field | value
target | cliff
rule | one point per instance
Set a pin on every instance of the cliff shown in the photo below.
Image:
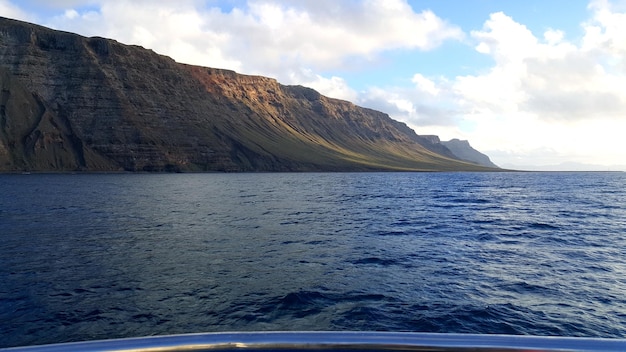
(75, 103)
(464, 151)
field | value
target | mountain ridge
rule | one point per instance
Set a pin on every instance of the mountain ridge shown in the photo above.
(93, 104)
(464, 151)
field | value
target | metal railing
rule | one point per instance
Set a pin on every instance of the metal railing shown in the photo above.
(336, 341)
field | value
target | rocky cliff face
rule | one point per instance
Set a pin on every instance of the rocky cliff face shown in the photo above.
(464, 151)
(35, 138)
(75, 103)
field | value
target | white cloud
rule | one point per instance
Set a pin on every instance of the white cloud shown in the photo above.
(504, 38)
(587, 142)
(71, 14)
(428, 105)
(424, 84)
(7, 9)
(611, 24)
(551, 79)
(176, 29)
(545, 98)
(558, 98)
(553, 36)
(334, 86)
(63, 4)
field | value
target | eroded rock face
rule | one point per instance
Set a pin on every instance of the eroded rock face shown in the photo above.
(34, 138)
(75, 103)
(464, 151)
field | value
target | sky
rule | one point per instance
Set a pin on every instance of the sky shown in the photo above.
(534, 84)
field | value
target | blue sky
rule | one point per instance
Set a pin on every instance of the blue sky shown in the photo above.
(532, 83)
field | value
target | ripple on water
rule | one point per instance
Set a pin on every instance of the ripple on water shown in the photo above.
(105, 256)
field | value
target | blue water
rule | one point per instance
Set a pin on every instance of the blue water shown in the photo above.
(94, 256)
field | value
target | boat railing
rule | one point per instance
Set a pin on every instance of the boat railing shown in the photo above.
(337, 341)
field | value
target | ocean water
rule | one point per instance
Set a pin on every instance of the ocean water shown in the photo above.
(98, 256)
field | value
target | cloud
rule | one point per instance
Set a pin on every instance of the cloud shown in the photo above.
(334, 86)
(551, 78)
(591, 142)
(7, 9)
(426, 85)
(328, 33)
(551, 92)
(61, 4)
(176, 29)
(428, 103)
(544, 98)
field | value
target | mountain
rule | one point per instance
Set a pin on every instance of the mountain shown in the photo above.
(74, 103)
(464, 151)
(569, 166)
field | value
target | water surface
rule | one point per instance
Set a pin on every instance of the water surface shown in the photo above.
(95, 256)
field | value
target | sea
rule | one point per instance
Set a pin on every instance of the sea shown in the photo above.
(101, 256)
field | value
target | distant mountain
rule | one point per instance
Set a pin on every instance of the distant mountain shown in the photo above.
(567, 166)
(464, 151)
(74, 103)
